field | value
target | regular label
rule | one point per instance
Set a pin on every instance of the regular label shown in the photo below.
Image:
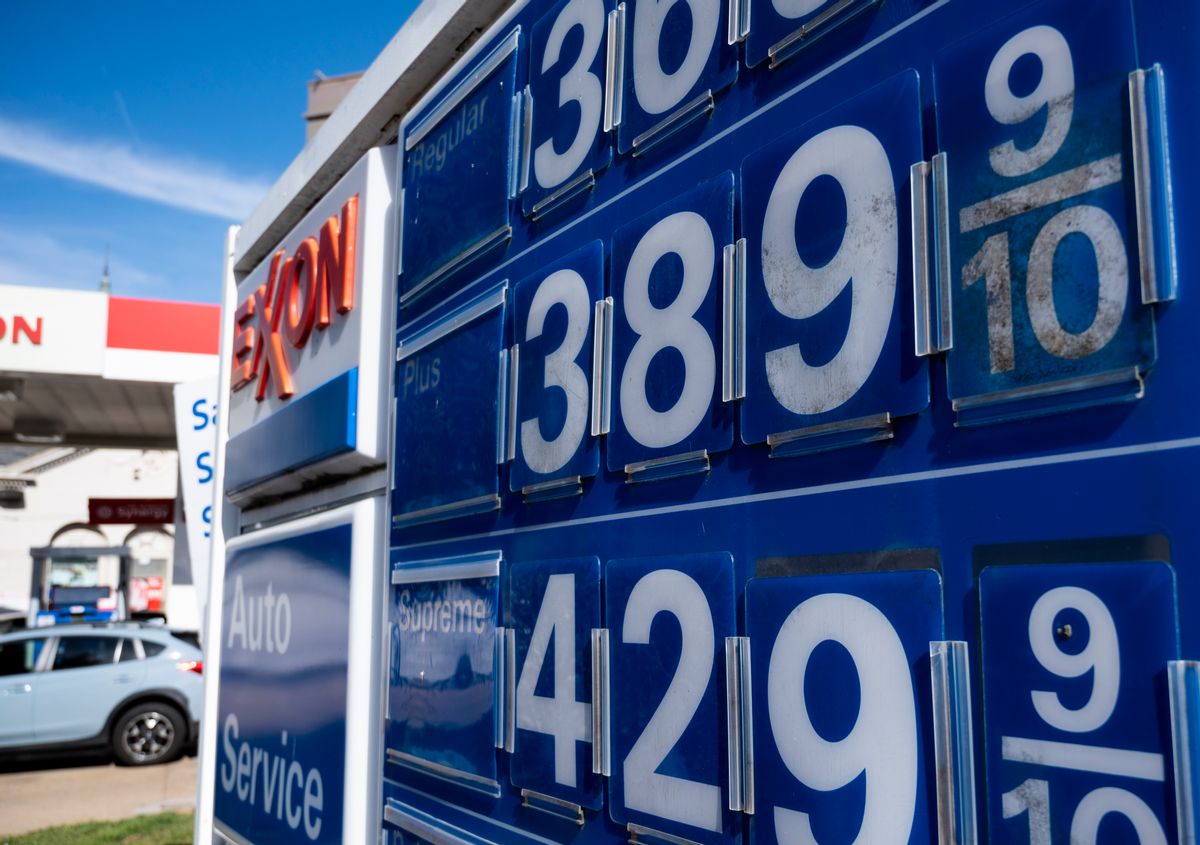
(464, 141)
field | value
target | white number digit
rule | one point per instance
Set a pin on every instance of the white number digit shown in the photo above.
(562, 717)
(883, 742)
(991, 263)
(1101, 656)
(687, 235)
(566, 288)
(1055, 92)
(667, 796)
(1032, 797)
(657, 90)
(1111, 266)
(797, 8)
(578, 85)
(1098, 803)
(867, 259)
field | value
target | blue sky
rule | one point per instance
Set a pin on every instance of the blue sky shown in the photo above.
(150, 127)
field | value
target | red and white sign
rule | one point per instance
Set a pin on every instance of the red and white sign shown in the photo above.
(154, 340)
(131, 511)
(146, 594)
(319, 305)
(44, 330)
(52, 331)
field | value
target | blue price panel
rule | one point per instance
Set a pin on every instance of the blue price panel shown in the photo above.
(668, 618)
(842, 740)
(1075, 702)
(442, 691)
(827, 219)
(553, 607)
(464, 145)
(667, 271)
(678, 56)
(448, 387)
(779, 29)
(281, 746)
(553, 329)
(568, 142)
(1031, 114)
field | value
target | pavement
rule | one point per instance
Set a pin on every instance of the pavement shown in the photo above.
(41, 795)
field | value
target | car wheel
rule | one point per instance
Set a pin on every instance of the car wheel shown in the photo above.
(147, 734)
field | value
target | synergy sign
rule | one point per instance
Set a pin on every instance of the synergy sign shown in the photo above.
(306, 375)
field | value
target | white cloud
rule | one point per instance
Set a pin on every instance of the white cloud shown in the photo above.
(38, 260)
(191, 185)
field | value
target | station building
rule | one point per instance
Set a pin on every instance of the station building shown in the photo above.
(89, 472)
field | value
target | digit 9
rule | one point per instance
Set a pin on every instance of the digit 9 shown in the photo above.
(1055, 92)
(866, 260)
(883, 741)
(1101, 656)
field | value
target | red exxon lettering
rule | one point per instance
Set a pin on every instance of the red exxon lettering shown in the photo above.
(301, 293)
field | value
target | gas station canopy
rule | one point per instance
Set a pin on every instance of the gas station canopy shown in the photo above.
(90, 369)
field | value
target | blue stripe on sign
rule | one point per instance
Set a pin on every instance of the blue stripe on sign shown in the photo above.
(308, 430)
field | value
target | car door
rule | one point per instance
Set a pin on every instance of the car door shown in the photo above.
(85, 682)
(18, 679)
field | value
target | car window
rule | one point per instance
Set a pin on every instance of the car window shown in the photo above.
(20, 656)
(128, 651)
(79, 652)
(152, 648)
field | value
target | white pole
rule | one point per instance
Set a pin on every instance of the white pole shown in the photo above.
(225, 525)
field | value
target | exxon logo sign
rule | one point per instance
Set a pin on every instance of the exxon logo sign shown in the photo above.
(303, 292)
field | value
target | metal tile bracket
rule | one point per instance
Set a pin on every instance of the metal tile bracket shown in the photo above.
(1183, 683)
(953, 746)
(739, 21)
(733, 322)
(932, 283)
(1157, 261)
(602, 330)
(601, 704)
(614, 69)
(739, 724)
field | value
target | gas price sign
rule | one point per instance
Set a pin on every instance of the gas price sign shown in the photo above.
(793, 420)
